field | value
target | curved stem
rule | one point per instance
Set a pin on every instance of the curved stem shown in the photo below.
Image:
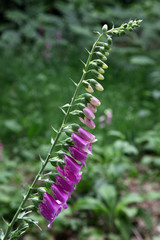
(55, 142)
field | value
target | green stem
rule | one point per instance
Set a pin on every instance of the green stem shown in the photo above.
(55, 142)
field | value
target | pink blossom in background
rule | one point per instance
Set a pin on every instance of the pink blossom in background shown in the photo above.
(48, 46)
(45, 54)
(108, 113)
(1, 148)
(101, 119)
(58, 36)
(105, 119)
(102, 125)
(41, 31)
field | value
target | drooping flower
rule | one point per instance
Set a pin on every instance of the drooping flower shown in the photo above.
(80, 143)
(50, 208)
(86, 135)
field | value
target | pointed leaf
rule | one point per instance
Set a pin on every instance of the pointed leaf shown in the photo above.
(66, 105)
(88, 51)
(5, 222)
(74, 82)
(83, 62)
(42, 161)
(54, 129)
(63, 111)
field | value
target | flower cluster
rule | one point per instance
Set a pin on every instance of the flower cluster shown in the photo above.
(68, 176)
(79, 143)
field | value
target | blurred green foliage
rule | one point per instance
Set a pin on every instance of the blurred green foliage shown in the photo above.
(41, 43)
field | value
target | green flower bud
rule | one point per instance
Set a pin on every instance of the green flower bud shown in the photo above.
(99, 87)
(106, 53)
(106, 46)
(52, 176)
(100, 70)
(89, 89)
(74, 127)
(105, 28)
(48, 183)
(41, 191)
(101, 49)
(102, 56)
(94, 64)
(109, 40)
(104, 66)
(98, 75)
(122, 32)
(68, 132)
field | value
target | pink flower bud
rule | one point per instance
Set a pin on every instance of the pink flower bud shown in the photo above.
(88, 113)
(89, 123)
(95, 101)
(92, 107)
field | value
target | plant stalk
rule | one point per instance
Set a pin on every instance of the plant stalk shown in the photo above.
(10, 226)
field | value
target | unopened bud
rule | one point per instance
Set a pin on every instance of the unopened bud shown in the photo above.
(109, 40)
(99, 87)
(95, 101)
(106, 46)
(106, 53)
(100, 70)
(104, 66)
(89, 89)
(101, 55)
(105, 28)
(92, 107)
(100, 76)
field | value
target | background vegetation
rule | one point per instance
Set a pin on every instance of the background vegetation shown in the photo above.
(41, 44)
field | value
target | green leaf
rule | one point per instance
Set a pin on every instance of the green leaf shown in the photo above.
(63, 110)
(108, 194)
(131, 212)
(89, 203)
(13, 125)
(128, 199)
(125, 147)
(90, 233)
(54, 130)
(142, 60)
(74, 82)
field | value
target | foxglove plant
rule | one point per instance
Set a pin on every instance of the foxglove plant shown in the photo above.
(70, 154)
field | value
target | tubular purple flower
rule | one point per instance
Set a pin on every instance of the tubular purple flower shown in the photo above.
(71, 164)
(75, 178)
(46, 213)
(92, 107)
(95, 101)
(65, 184)
(60, 194)
(88, 113)
(77, 154)
(86, 135)
(80, 143)
(52, 204)
(89, 123)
